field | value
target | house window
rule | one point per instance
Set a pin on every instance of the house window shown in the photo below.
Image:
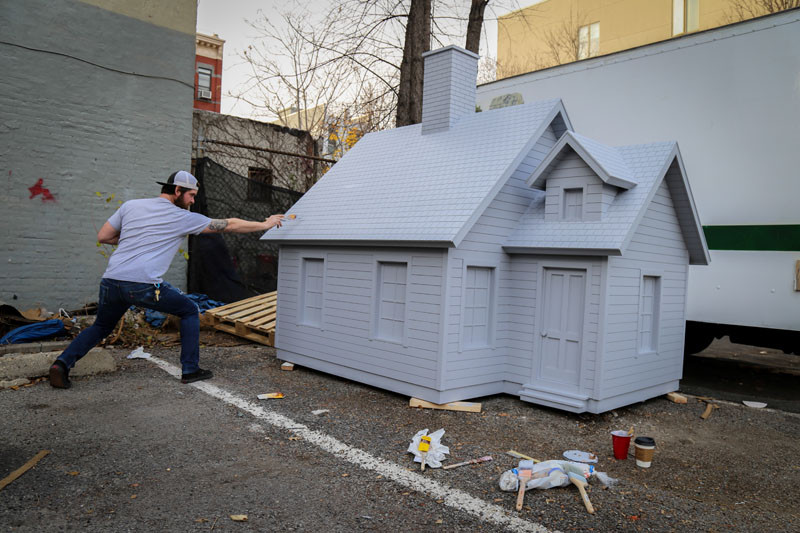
(477, 307)
(589, 40)
(204, 82)
(259, 184)
(573, 204)
(311, 292)
(649, 314)
(685, 16)
(391, 301)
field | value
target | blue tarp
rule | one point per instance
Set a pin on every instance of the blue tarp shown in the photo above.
(32, 332)
(204, 303)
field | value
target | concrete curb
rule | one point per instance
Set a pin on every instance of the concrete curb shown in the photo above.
(32, 365)
(33, 347)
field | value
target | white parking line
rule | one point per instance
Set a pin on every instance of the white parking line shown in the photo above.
(452, 497)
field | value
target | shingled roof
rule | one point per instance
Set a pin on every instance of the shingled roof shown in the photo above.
(402, 187)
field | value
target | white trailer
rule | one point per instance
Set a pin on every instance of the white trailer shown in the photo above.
(731, 98)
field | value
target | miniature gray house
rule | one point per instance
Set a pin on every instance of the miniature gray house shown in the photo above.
(492, 252)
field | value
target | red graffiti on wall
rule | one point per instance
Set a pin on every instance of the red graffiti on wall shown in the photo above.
(37, 189)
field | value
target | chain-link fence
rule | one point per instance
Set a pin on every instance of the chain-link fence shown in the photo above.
(229, 267)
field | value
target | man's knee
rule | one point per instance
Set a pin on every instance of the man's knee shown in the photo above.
(188, 310)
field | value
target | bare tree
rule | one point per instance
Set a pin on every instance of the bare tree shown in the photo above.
(475, 24)
(563, 42)
(417, 41)
(359, 63)
(747, 9)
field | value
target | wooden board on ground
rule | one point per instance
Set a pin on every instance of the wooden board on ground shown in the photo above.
(677, 398)
(252, 319)
(470, 407)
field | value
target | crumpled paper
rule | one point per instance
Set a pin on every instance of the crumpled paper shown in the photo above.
(437, 452)
(139, 353)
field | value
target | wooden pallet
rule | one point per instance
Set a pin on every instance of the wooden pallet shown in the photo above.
(252, 319)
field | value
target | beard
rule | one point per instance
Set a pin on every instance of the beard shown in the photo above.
(180, 201)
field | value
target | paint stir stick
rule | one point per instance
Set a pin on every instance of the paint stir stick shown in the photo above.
(470, 462)
(524, 473)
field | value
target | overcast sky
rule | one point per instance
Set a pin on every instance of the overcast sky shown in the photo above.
(227, 18)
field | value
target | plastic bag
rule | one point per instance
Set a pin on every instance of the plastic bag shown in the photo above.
(437, 451)
(549, 474)
(139, 353)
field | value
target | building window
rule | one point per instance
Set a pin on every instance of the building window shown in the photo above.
(259, 184)
(477, 307)
(311, 292)
(573, 204)
(649, 314)
(391, 301)
(204, 82)
(589, 40)
(685, 16)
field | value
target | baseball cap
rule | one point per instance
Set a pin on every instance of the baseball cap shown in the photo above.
(181, 179)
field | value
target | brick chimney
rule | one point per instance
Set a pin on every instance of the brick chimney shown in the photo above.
(448, 91)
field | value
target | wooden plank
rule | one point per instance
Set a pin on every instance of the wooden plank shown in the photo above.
(470, 407)
(243, 310)
(255, 307)
(677, 398)
(24, 468)
(233, 304)
(709, 409)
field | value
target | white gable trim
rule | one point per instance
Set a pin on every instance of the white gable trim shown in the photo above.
(558, 108)
(696, 256)
(539, 176)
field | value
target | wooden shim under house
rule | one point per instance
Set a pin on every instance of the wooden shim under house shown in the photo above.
(470, 407)
(252, 319)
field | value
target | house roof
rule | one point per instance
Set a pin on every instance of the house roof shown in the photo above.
(606, 161)
(646, 165)
(402, 187)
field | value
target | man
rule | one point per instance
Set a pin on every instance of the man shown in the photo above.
(147, 233)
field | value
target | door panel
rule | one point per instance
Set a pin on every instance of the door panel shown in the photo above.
(562, 325)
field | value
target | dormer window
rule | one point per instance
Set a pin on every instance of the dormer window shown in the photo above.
(572, 207)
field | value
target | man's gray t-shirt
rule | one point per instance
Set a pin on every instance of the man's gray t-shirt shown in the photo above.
(151, 230)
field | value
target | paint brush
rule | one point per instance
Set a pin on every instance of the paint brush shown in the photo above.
(470, 462)
(580, 482)
(424, 447)
(518, 455)
(524, 473)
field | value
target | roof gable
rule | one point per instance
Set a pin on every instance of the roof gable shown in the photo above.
(673, 173)
(605, 161)
(649, 164)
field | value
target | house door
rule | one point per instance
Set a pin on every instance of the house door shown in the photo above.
(561, 327)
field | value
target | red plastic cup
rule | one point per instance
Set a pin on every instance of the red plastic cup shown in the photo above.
(621, 441)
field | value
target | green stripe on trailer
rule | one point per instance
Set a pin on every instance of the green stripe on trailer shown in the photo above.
(774, 238)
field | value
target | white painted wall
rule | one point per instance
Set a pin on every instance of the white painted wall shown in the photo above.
(731, 98)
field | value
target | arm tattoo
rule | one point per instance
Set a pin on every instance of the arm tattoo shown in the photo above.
(218, 224)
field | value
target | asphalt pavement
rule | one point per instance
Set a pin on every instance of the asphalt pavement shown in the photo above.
(135, 450)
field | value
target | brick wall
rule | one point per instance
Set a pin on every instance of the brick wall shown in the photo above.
(92, 104)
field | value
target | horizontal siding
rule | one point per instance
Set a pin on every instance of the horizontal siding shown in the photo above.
(345, 336)
(657, 248)
(515, 286)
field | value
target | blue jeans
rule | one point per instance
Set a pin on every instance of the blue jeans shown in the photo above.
(117, 296)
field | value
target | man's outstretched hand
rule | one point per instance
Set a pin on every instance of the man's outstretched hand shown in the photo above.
(273, 221)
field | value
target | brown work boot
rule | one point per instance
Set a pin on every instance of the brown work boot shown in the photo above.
(59, 375)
